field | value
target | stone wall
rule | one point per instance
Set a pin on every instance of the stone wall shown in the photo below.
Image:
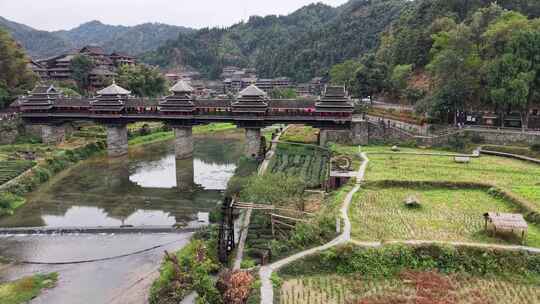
(498, 137)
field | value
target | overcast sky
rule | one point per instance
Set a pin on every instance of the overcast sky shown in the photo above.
(66, 14)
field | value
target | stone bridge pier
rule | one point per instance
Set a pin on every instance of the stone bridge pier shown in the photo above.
(117, 140)
(52, 134)
(253, 142)
(185, 175)
(183, 142)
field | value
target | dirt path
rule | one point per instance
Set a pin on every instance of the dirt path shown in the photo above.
(265, 273)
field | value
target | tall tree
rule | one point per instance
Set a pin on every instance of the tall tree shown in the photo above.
(82, 65)
(142, 80)
(370, 76)
(344, 74)
(15, 77)
(514, 69)
(455, 69)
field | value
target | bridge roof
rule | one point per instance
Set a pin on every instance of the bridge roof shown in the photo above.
(114, 89)
(252, 90)
(181, 87)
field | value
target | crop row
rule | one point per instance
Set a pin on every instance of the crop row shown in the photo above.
(312, 167)
(12, 169)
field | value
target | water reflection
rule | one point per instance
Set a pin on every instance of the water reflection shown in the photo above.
(148, 188)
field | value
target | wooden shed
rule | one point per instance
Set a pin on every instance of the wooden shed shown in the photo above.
(506, 222)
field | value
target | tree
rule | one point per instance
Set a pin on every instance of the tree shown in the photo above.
(344, 73)
(514, 72)
(455, 69)
(283, 93)
(15, 77)
(82, 65)
(142, 80)
(399, 80)
(370, 77)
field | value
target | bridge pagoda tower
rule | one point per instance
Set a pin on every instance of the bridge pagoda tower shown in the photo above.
(252, 102)
(111, 101)
(335, 100)
(42, 99)
(181, 103)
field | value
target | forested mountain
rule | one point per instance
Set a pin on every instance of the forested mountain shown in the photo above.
(37, 43)
(301, 45)
(133, 40)
(447, 56)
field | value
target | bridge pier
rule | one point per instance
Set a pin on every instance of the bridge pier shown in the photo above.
(117, 140)
(253, 142)
(53, 134)
(185, 174)
(360, 132)
(183, 142)
(323, 137)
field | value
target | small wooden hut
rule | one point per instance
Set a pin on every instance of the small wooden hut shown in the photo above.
(506, 222)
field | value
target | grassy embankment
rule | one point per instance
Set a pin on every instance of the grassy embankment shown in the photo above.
(26, 289)
(423, 274)
(48, 162)
(168, 135)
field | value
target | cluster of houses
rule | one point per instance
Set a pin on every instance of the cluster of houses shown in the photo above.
(234, 79)
(59, 68)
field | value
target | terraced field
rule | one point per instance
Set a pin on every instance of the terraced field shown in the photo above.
(407, 289)
(12, 169)
(311, 163)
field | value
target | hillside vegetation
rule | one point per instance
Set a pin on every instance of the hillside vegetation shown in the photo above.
(301, 45)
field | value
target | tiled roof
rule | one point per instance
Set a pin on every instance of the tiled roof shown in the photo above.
(181, 87)
(114, 89)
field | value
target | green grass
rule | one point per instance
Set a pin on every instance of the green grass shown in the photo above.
(300, 134)
(151, 138)
(519, 177)
(26, 289)
(445, 214)
(168, 135)
(212, 128)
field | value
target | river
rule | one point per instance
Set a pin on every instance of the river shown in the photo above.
(148, 188)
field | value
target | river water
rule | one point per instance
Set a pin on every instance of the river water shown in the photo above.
(148, 188)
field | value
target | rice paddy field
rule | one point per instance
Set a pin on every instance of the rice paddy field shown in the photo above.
(407, 288)
(445, 214)
(519, 177)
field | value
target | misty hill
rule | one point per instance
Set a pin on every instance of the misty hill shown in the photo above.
(133, 40)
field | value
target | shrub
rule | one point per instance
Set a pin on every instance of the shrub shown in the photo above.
(391, 260)
(535, 147)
